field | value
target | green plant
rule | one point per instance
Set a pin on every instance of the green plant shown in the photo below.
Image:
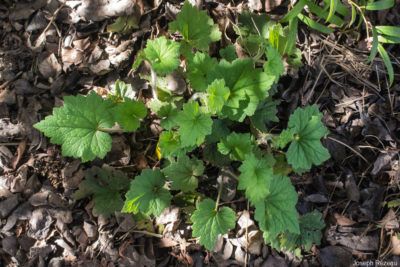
(333, 12)
(224, 96)
(83, 125)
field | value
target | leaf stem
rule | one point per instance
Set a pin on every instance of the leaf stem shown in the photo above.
(153, 83)
(219, 195)
(109, 130)
(197, 95)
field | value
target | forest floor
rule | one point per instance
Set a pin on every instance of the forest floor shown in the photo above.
(49, 50)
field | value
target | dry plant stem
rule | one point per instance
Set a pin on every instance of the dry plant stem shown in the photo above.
(349, 147)
(147, 233)
(247, 235)
(8, 82)
(10, 144)
(53, 18)
(153, 83)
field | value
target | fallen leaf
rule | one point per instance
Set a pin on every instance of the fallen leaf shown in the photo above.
(48, 65)
(7, 205)
(71, 55)
(20, 152)
(316, 198)
(98, 10)
(353, 193)
(390, 220)
(382, 161)
(353, 238)
(101, 67)
(38, 22)
(272, 4)
(10, 245)
(342, 220)
(39, 224)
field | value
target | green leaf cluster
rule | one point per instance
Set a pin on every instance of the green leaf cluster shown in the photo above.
(260, 35)
(224, 115)
(304, 133)
(332, 15)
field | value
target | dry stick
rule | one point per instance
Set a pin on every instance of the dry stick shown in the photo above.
(319, 75)
(323, 91)
(147, 233)
(352, 101)
(358, 185)
(53, 18)
(315, 83)
(348, 70)
(349, 147)
(330, 77)
(9, 144)
(247, 235)
(7, 82)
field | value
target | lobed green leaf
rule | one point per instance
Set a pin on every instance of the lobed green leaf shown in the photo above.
(147, 194)
(184, 172)
(194, 125)
(77, 125)
(255, 177)
(306, 148)
(197, 29)
(163, 55)
(237, 145)
(208, 223)
(277, 213)
(129, 113)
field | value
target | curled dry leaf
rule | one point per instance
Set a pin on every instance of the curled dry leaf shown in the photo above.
(390, 221)
(382, 161)
(342, 220)
(353, 238)
(352, 190)
(49, 66)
